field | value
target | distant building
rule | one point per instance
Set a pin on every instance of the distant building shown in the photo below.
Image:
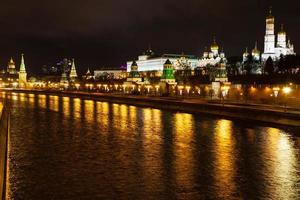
(255, 53)
(213, 56)
(271, 48)
(88, 75)
(149, 62)
(109, 73)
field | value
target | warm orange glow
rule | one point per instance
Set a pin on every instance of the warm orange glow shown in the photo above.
(287, 90)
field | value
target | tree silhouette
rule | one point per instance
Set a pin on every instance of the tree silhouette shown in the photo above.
(269, 66)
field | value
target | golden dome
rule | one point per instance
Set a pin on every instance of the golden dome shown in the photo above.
(255, 50)
(214, 46)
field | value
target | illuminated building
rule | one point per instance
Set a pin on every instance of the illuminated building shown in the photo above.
(149, 62)
(22, 73)
(108, 74)
(168, 73)
(255, 54)
(221, 72)
(212, 57)
(283, 47)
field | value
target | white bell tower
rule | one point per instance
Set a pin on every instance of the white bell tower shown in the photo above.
(269, 50)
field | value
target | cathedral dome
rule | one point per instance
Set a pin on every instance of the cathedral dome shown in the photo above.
(255, 51)
(214, 46)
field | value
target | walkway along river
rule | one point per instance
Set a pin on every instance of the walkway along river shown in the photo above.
(71, 148)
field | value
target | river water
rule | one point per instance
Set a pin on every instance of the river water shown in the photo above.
(70, 148)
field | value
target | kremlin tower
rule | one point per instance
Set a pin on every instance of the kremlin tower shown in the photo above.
(73, 73)
(22, 73)
(11, 67)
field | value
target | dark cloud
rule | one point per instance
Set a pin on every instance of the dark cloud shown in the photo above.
(107, 33)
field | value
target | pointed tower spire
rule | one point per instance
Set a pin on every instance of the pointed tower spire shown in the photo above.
(22, 66)
(73, 73)
(22, 73)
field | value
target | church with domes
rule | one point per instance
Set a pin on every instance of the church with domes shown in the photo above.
(212, 57)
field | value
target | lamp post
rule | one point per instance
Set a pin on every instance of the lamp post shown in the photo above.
(286, 90)
(224, 92)
(276, 92)
(148, 88)
(157, 89)
(180, 87)
(188, 88)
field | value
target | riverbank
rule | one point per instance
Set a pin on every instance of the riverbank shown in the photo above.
(248, 112)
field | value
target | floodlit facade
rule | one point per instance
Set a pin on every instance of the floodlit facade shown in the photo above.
(149, 62)
(271, 48)
(212, 57)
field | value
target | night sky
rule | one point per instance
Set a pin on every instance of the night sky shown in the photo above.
(107, 33)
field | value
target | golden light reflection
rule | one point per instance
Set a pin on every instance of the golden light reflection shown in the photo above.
(31, 98)
(152, 146)
(184, 160)
(77, 108)
(102, 115)
(14, 96)
(123, 118)
(224, 151)
(54, 103)
(42, 100)
(89, 110)
(282, 166)
(66, 105)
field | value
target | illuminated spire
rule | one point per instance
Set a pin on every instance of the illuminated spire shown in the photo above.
(22, 73)
(270, 12)
(73, 73)
(22, 66)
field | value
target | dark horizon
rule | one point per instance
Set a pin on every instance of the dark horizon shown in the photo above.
(108, 34)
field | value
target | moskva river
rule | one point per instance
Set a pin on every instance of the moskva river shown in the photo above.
(70, 148)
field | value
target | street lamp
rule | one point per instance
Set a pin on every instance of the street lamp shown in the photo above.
(188, 89)
(148, 88)
(286, 90)
(180, 87)
(157, 88)
(224, 92)
(276, 92)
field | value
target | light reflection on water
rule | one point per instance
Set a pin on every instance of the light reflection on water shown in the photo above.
(71, 148)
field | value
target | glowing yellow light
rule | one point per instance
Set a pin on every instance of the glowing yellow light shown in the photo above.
(276, 88)
(287, 90)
